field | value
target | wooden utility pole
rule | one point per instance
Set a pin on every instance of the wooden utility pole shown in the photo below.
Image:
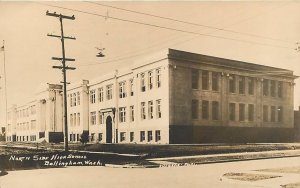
(64, 68)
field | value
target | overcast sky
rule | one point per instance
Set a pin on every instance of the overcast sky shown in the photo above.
(259, 32)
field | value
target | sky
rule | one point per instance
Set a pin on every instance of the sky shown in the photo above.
(258, 32)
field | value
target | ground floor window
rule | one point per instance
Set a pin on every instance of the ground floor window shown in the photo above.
(131, 136)
(149, 136)
(157, 135)
(92, 137)
(142, 136)
(100, 137)
(122, 136)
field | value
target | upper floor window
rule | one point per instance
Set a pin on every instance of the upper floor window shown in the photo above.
(150, 80)
(78, 119)
(195, 112)
(33, 109)
(143, 86)
(78, 98)
(131, 87)
(131, 113)
(109, 92)
(232, 84)
(71, 99)
(250, 86)
(232, 111)
(74, 99)
(215, 81)
(272, 88)
(143, 111)
(92, 96)
(150, 109)
(100, 94)
(279, 89)
(122, 114)
(205, 109)
(93, 118)
(205, 80)
(100, 117)
(158, 78)
(195, 79)
(265, 87)
(158, 108)
(241, 85)
(122, 89)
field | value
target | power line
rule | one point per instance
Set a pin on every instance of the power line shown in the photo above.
(163, 27)
(190, 23)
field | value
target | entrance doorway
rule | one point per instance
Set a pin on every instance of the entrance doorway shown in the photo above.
(108, 130)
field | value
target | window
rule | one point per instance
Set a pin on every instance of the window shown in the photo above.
(93, 118)
(131, 113)
(158, 108)
(265, 87)
(215, 110)
(74, 99)
(78, 98)
(279, 89)
(33, 110)
(205, 109)
(242, 112)
(195, 79)
(195, 112)
(273, 111)
(142, 136)
(250, 86)
(71, 119)
(109, 92)
(215, 81)
(77, 137)
(92, 96)
(150, 109)
(131, 87)
(131, 136)
(78, 119)
(100, 94)
(251, 112)
(143, 111)
(122, 89)
(272, 88)
(33, 124)
(122, 114)
(232, 84)
(158, 78)
(122, 136)
(205, 80)
(75, 119)
(241, 85)
(100, 119)
(92, 137)
(280, 114)
(232, 111)
(100, 137)
(150, 136)
(265, 113)
(143, 86)
(150, 80)
(71, 99)
(157, 136)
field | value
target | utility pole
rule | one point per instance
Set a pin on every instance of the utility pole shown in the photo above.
(64, 68)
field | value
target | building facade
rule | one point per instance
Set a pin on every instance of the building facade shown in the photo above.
(178, 97)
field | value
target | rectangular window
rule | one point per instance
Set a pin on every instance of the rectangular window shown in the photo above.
(143, 85)
(205, 110)
(122, 114)
(250, 86)
(78, 119)
(100, 137)
(131, 113)
(205, 80)
(265, 87)
(71, 119)
(143, 111)
(122, 136)
(150, 109)
(122, 89)
(93, 118)
(75, 119)
(215, 110)
(100, 94)
(195, 112)
(78, 98)
(242, 112)
(232, 111)
(109, 92)
(279, 89)
(100, 118)
(142, 136)
(280, 114)
(131, 87)
(92, 96)
(195, 79)
(71, 99)
(158, 109)
(33, 124)
(158, 78)
(150, 80)
(215, 81)
(232, 84)
(251, 112)
(272, 88)
(150, 136)
(157, 136)
(131, 136)
(33, 110)
(273, 112)
(74, 99)
(241, 85)
(265, 113)
(92, 137)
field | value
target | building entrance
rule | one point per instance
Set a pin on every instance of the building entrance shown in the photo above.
(108, 130)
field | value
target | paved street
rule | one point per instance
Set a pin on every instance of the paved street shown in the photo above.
(208, 175)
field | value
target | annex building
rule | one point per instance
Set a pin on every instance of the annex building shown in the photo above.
(170, 97)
